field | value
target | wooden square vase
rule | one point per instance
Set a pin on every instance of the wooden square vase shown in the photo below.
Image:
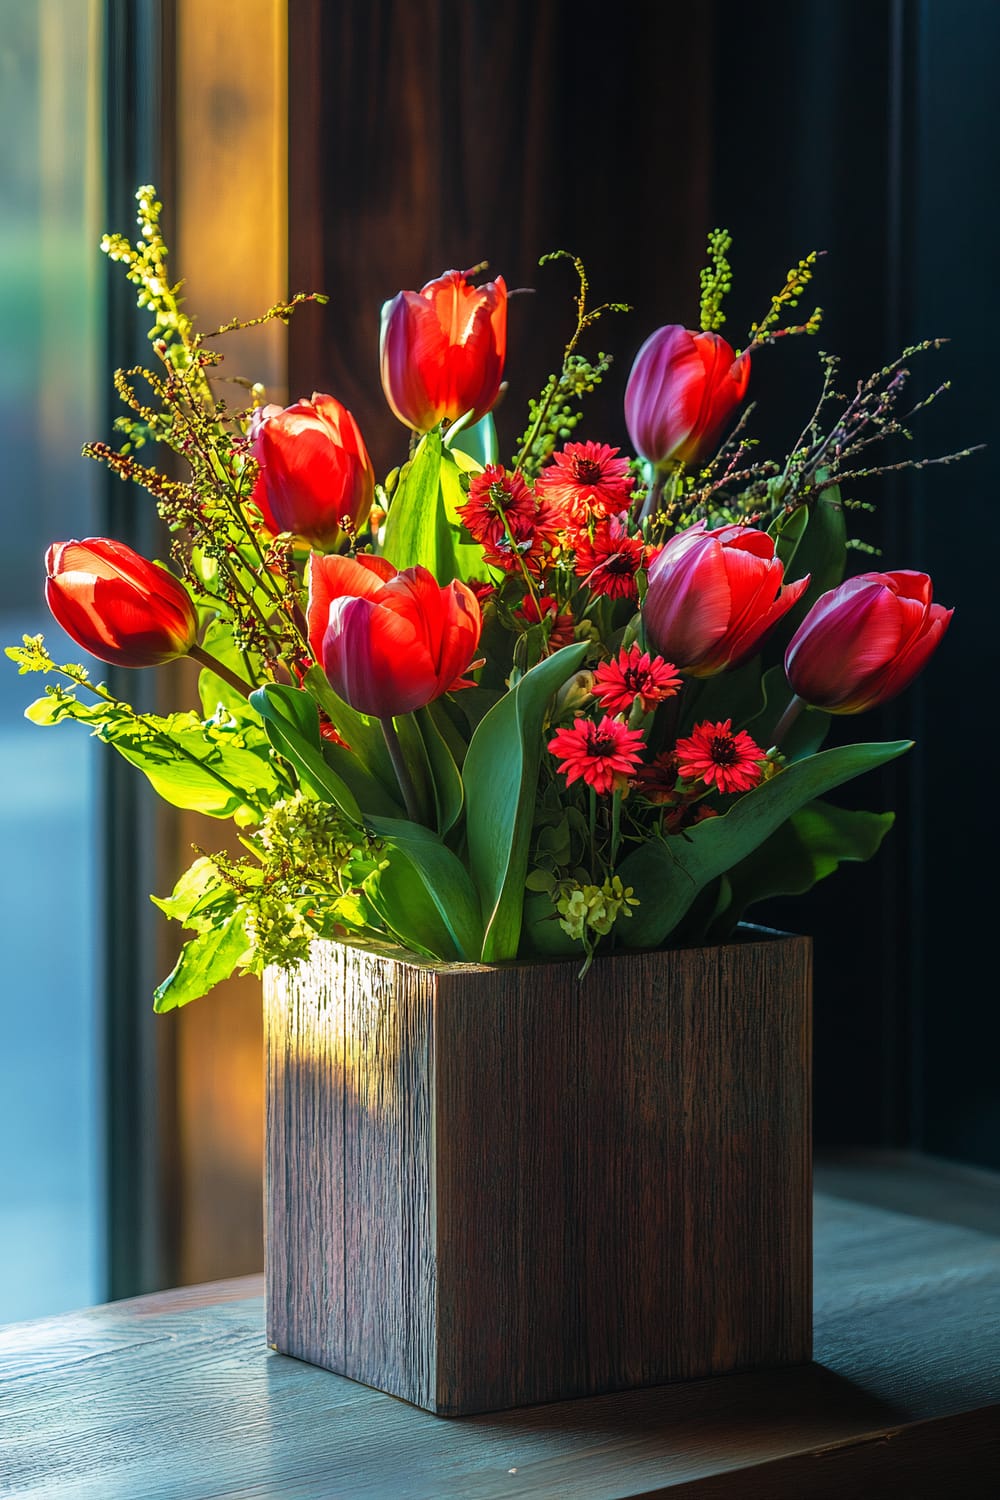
(492, 1186)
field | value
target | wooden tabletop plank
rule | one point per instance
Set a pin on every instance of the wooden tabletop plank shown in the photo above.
(176, 1397)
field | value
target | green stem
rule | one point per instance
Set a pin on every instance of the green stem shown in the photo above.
(616, 826)
(205, 659)
(593, 831)
(784, 724)
(401, 769)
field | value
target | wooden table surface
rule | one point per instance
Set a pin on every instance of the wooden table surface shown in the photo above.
(176, 1395)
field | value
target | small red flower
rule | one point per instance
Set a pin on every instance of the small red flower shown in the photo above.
(533, 612)
(657, 781)
(610, 559)
(605, 755)
(496, 497)
(635, 674)
(712, 753)
(586, 480)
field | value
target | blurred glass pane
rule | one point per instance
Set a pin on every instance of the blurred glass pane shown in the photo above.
(51, 1149)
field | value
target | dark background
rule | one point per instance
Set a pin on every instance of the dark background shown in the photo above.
(431, 135)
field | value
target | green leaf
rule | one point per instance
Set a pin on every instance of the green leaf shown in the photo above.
(362, 733)
(804, 850)
(667, 876)
(416, 530)
(194, 765)
(292, 722)
(807, 733)
(428, 896)
(198, 891)
(466, 560)
(478, 441)
(501, 776)
(446, 779)
(813, 540)
(210, 956)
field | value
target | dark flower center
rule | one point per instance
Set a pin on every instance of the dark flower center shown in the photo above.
(619, 563)
(586, 470)
(602, 744)
(724, 750)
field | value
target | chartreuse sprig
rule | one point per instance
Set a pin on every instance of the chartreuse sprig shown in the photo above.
(716, 280)
(551, 418)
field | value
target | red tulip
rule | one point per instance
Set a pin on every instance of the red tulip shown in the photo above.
(117, 605)
(682, 390)
(442, 350)
(389, 642)
(864, 641)
(315, 470)
(714, 595)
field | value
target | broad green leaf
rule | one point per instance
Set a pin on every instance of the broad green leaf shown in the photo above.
(446, 780)
(668, 875)
(207, 958)
(813, 540)
(478, 440)
(292, 722)
(416, 530)
(428, 892)
(736, 695)
(206, 768)
(197, 891)
(805, 849)
(501, 775)
(362, 733)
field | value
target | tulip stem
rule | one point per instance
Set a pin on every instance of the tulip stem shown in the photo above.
(401, 769)
(205, 659)
(651, 504)
(784, 724)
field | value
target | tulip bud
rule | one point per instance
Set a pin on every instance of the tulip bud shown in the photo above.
(442, 350)
(682, 390)
(713, 596)
(118, 606)
(314, 470)
(865, 641)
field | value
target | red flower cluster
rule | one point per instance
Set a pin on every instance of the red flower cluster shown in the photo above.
(634, 675)
(586, 480)
(604, 755)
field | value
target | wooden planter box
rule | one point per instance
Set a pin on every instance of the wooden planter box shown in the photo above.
(491, 1186)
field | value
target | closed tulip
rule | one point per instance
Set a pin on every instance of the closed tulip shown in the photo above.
(682, 390)
(713, 596)
(390, 642)
(442, 350)
(118, 606)
(864, 641)
(314, 470)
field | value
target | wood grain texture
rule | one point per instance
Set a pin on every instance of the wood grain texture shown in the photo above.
(176, 1397)
(492, 1186)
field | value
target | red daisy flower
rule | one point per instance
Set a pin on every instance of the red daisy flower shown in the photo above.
(586, 480)
(495, 495)
(657, 781)
(635, 674)
(610, 560)
(533, 611)
(712, 753)
(605, 755)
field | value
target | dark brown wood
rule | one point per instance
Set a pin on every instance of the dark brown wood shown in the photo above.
(491, 1186)
(430, 134)
(176, 1397)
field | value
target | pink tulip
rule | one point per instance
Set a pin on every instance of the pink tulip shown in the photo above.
(864, 641)
(714, 595)
(682, 390)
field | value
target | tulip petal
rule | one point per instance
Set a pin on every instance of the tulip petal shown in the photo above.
(335, 577)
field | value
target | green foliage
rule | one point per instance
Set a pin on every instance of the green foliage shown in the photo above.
(501, 775)
(668, 875)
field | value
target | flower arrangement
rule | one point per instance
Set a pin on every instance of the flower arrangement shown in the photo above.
(558, 703)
